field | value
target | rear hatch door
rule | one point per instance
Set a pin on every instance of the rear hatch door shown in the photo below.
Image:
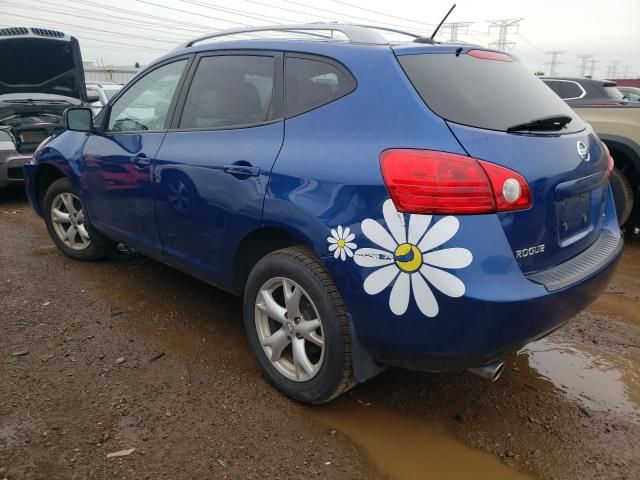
(489, 101)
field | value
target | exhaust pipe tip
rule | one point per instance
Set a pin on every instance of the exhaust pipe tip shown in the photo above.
(491, 371)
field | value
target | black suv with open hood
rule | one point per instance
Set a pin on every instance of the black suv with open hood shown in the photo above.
(41, 76)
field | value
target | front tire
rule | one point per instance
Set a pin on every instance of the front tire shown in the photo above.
(68, 226)
(297, 326)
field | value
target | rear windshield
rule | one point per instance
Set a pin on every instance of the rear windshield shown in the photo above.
(483, 93)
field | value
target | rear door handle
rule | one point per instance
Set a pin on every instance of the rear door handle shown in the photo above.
(141, 161)
(241, 170)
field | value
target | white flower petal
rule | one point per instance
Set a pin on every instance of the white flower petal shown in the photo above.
(332, 247)
(423, 296)
(336, 254)
(449, 258)
(331, 240)
(400, 293)
(352, 246)
(372, 257)
(350, 236)
(418, 224)
(346, 232)
(440, 233)
(334, 234)
(339, 231)
(343, 257)
(448, 284)
(394, 222)
(380, 279)
(378, 234)
(349, 252)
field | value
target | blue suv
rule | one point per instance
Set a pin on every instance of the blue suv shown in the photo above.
(414, 204)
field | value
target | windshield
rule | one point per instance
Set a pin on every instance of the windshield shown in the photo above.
(484, 93)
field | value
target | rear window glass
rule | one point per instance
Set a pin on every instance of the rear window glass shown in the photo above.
(482, 93)
(312, 83)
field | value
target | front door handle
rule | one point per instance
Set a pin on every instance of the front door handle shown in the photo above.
(242, 170)
(141, 161)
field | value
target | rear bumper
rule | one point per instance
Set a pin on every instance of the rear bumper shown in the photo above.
(11, 163)
(501, 309)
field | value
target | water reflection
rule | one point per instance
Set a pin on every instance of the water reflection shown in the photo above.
(591, 377)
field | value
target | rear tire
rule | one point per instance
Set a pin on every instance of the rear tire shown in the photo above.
(68, 226)
(622, 195)
(328, 371)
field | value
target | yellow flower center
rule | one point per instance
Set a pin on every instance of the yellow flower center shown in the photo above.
(341, 243)
(408, 257)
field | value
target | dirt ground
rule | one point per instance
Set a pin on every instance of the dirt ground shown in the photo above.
(97, 358)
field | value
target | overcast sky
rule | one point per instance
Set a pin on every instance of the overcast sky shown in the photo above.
(123, 32)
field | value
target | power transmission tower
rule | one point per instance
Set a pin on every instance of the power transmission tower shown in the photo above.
(456, 28)
(612, 69)
(553, 63)
(504, 26)
(584, 61)
(592, 66)
(627, 69)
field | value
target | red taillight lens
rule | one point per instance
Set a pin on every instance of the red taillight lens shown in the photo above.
(425, 181)
(610, 162)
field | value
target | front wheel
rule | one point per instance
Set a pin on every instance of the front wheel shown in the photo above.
(297, 326)
(68, 226)
(622, 195)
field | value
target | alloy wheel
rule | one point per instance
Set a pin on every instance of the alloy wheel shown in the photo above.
(68, 221)
(289, 329)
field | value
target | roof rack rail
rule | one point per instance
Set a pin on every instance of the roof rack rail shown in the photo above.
(354, 33)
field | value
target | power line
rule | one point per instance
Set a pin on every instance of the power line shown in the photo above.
(504, 26)
(76, 15)
(241, 13)
(193, 13)
(554, 62)
(385, 14)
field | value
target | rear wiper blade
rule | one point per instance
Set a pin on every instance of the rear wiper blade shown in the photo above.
(552, 122)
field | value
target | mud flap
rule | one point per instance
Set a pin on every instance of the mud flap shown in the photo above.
(364, 365)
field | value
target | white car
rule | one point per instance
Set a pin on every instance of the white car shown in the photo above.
(104, 91)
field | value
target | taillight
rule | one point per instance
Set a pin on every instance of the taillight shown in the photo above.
(489, 55)
(431, 182)
(610, 162)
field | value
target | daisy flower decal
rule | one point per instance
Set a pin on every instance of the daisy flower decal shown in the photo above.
(341, 242)
(407, 259)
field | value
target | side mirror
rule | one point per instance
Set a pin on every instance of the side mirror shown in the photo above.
(79, 119)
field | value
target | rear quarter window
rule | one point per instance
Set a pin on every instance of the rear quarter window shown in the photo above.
(483, 93)
(313, 82)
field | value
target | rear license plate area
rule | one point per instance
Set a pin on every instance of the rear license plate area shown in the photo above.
(574, 216)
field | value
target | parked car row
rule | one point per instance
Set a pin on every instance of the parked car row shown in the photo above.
(615, 117)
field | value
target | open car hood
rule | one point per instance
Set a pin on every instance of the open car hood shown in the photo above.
(36, 60)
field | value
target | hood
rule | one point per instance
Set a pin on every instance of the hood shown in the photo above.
(36, 60)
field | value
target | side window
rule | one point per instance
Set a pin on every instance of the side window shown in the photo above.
(145, 105)
(572, 90)
(230, 91)
(312, 83)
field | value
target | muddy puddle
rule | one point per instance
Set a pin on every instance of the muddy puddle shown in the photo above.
(407, 449)
(590, 377)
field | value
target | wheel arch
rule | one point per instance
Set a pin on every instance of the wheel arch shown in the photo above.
(626, 156)
(47, 174)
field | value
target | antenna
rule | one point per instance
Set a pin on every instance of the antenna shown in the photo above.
(431, 38)
(433, 35)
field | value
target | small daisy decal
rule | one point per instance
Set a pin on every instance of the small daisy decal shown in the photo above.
(341, 242)
(408, 260)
